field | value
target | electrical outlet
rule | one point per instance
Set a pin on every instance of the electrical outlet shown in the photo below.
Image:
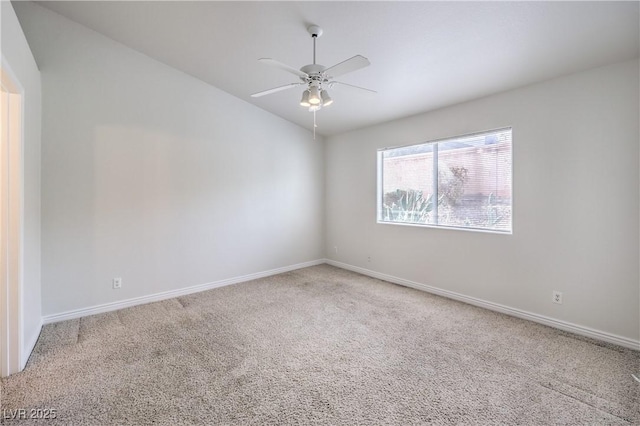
(369, 259)
(336, 249)
(557, 297)
(117, 283)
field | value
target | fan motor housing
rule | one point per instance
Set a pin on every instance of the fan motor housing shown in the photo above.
(313, 69)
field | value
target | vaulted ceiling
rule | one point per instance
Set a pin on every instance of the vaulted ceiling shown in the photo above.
(424, 55)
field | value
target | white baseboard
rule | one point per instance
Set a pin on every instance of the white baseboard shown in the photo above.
(113, 306)
(551, 322)
(26, 350)
(562, 325)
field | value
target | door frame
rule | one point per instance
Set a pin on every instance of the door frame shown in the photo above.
(11, 221)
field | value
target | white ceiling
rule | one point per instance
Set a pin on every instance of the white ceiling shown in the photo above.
(424, 55)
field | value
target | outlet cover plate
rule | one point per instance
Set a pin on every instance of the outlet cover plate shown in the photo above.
(557, 297)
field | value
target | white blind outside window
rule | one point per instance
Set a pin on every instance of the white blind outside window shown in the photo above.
(462, 182)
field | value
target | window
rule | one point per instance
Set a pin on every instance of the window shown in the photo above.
(462, 182)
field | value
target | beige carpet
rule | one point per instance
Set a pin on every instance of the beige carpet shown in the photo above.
(326, 346)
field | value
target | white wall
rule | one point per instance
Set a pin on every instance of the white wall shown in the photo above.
(154, 176)
(16, 53)
(575, 222)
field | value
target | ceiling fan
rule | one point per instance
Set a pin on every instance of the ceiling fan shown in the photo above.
(316, 78)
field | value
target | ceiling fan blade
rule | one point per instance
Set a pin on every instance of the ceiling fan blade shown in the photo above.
(282, 66)
(276, 89)
(349, 65)
(352, 86)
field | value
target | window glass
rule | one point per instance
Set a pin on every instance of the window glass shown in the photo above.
(462, 182)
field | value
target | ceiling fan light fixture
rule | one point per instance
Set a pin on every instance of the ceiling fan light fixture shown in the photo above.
(326, 99)
(315, 77)
(314, 95)
(305, 99)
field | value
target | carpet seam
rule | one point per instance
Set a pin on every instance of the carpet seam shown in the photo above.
(583, 402)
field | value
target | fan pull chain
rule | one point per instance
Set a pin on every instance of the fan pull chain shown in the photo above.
(314, 125)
